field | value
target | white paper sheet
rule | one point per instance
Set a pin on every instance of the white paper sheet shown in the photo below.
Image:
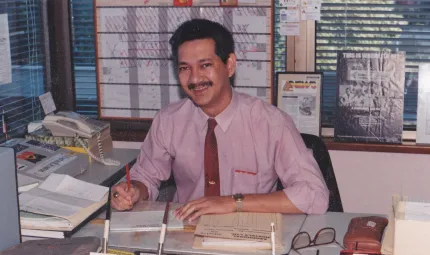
(47, 103)
(417, 211)
(61, 195)
(5, 61)
(142, 221)
(80, 189)
(46, 206)
(289, 29)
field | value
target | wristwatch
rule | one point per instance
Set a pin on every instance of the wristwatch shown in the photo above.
(239, 199)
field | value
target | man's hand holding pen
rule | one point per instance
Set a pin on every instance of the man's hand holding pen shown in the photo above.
(123, 197)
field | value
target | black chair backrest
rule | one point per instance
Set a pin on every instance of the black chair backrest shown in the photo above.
(322, 157)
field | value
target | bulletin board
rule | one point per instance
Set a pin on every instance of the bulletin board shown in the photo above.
(135, 76)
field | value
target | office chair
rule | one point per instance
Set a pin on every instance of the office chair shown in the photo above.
(322, 157)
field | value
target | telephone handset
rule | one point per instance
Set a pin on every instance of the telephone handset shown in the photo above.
(72, 124)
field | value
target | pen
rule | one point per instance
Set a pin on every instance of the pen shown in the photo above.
(273, 237)
(163, 229)
(127, 171)
(107, 223)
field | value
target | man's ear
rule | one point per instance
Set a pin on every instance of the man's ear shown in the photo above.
(231, 64)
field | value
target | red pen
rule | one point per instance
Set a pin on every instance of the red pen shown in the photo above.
(127, 172)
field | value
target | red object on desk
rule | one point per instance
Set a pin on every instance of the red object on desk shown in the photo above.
(127, 172)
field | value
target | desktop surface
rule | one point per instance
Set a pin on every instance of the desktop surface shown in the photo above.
(104, 175)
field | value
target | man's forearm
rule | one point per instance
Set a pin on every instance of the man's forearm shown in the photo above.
(268, 203)
(143, 190)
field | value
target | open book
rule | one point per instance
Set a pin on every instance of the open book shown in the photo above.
(60, 203)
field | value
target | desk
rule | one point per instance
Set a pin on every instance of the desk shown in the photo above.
(181, 243)
(98, 173)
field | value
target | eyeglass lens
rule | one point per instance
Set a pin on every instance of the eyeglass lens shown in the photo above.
(302, 240)
(325, 236)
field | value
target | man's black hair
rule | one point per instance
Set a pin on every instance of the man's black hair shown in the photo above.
(203, 29)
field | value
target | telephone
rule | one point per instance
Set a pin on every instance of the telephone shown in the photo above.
(71, 124)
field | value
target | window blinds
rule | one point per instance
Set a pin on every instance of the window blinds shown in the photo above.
(19, 99)
(83, 54)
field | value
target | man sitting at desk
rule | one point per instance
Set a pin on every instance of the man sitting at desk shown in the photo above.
(225, 149)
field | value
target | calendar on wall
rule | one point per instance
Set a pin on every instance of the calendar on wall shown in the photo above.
(135, 75)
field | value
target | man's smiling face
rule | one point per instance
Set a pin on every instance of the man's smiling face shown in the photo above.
(202, 74)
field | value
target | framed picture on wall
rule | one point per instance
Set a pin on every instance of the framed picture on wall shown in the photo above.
(299, 95)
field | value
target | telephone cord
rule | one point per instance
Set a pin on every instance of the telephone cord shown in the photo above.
(105, 161)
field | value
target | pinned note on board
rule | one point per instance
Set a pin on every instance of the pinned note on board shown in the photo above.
(182, 2)
(47, 103)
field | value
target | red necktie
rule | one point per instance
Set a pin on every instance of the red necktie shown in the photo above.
(212, 185)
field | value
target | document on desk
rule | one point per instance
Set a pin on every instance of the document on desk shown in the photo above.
(143, 221)
(244, 229)
(62, 196)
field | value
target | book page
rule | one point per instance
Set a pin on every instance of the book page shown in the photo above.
(46, 206)
(67, 185)
(61, 195)
(242, 226)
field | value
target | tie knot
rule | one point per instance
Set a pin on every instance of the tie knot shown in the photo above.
(211, 124)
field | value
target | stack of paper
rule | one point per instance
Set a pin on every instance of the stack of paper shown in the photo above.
(241, 230)
(411, 228)
(60, 203)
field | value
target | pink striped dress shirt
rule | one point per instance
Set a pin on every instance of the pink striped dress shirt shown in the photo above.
(257, 144)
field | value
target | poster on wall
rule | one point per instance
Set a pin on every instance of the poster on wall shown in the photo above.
(370, 97)
(299, 95)
(423, 110)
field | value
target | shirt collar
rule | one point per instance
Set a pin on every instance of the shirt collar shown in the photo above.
(224, 118)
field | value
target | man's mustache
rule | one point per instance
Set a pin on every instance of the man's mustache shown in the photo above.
(192, 86)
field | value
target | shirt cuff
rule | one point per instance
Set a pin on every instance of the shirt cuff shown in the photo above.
(307, 199)
(152, 188)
